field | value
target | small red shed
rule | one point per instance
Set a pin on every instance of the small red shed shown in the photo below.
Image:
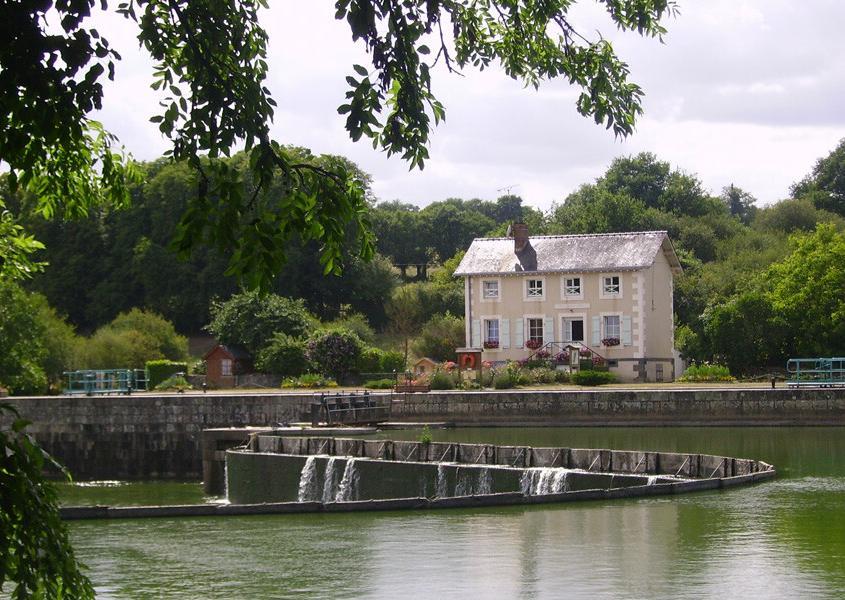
(224, 363)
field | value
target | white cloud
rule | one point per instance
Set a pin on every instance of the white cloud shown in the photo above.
(743, 91)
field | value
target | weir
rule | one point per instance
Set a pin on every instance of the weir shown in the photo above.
(324, 473)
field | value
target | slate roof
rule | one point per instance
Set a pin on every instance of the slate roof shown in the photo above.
(605, 252)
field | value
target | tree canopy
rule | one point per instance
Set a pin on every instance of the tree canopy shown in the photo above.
(210, 68)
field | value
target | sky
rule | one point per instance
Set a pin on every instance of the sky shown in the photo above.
(743, 92)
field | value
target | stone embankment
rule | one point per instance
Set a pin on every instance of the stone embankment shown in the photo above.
(145, 437)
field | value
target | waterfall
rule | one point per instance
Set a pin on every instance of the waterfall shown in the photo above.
(652, 479)
(226, 480)
(306, 479)
(462, 486)
(537, 481)
(485, 482)
(328, 481)
(347, 490)
(441, 485)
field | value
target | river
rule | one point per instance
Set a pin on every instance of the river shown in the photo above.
(779, 539)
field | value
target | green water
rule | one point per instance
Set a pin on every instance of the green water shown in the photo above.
(779, 539)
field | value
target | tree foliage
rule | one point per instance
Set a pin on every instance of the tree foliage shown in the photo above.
(250, 319)
(36, 557)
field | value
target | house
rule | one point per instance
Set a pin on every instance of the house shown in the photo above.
(224, 363)
(424, 366)
(609, 294)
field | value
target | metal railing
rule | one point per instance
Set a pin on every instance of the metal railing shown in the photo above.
(105, 381)
(816, 372)
(554, 348)
(349, 409)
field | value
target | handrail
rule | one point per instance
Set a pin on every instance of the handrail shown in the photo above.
(820, 371)
(551, 346)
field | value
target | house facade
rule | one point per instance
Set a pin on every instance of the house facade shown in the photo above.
(609, 294)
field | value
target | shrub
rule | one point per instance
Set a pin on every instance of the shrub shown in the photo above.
(131, 340)
(707, 372)
(357, 324)
(440, 380)
(517, 374)
(158, 371)
(309, 380)
(504, 381)
(425, 435)
(392, 361)
(380, 384)
(541, 375)
(371, 361)
(283, 355)
(334, 352)
(161, 331)
(440, 336)
(561, 376)
(593, 377)
(175, 383)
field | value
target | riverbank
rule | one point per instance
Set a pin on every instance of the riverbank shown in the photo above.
(148, 436)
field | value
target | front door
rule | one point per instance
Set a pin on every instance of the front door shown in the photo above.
(573, 330)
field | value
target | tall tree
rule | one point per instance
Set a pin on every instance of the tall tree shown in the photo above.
(825, 185)
(740, 203)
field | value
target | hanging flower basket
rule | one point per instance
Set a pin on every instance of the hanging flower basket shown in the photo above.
(489, 344)
(533, 344)
(611, 341)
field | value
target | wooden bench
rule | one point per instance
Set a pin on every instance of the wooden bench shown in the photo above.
(409, 388)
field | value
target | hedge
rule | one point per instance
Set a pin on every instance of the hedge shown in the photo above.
(159, 370)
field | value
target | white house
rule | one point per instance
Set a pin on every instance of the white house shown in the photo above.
(609, 293)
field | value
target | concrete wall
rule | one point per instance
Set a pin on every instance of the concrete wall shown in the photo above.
(142, 436)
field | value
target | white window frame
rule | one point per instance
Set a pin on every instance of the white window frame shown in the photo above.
(604, 332)
(485, 333)
(226, 367)
(573, 317)
(497, 297)
(534, 297)
(566, 292)
(528, 320)
(603, 293)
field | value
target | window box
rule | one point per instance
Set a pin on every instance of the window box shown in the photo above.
(533, 344)
(491, 344)
(610, 341)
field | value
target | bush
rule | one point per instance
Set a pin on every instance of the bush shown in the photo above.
(357, 324)
(380, 384)
(283, 355)
(707, 372)
(541, 375)
(370, 360)
(131, 340)
(392, 361)
(158, 371)
(593, 377)
(309, 380)
(504, 381)
(161, 331)
(335, 352)
(561, 376)
(440, 336)
(440, 380)
(174, 384)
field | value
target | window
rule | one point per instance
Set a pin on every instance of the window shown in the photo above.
(535, 330)
(573, 330)
(611, 285)
(491, 331)
(226, 366)
(572, 286)
(490, 290)
(534, 288)
(611, 327)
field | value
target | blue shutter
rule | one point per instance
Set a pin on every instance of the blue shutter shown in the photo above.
(596, 331)
(548, 330)
(476, 333)
(626, 331)
(518, 333)
(505, 333)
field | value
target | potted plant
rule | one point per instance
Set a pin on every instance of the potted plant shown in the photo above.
(533, 344)
(490, 344)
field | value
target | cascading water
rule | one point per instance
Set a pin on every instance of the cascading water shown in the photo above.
(328, 481)
(652, 479)
(306, 479)
(463, 487)
(485, 482)
(226, 481)
(347, 490)
(441, 485)
(543, 480)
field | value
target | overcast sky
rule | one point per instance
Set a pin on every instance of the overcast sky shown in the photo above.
(747, 92)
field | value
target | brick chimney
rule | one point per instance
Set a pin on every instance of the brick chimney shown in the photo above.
(519, 232)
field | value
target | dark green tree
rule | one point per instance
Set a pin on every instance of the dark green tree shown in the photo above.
(825, 185)
(740, 203)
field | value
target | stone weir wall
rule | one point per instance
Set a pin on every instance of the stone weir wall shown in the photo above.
(145, 436)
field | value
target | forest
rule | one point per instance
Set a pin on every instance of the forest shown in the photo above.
(760, 284)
